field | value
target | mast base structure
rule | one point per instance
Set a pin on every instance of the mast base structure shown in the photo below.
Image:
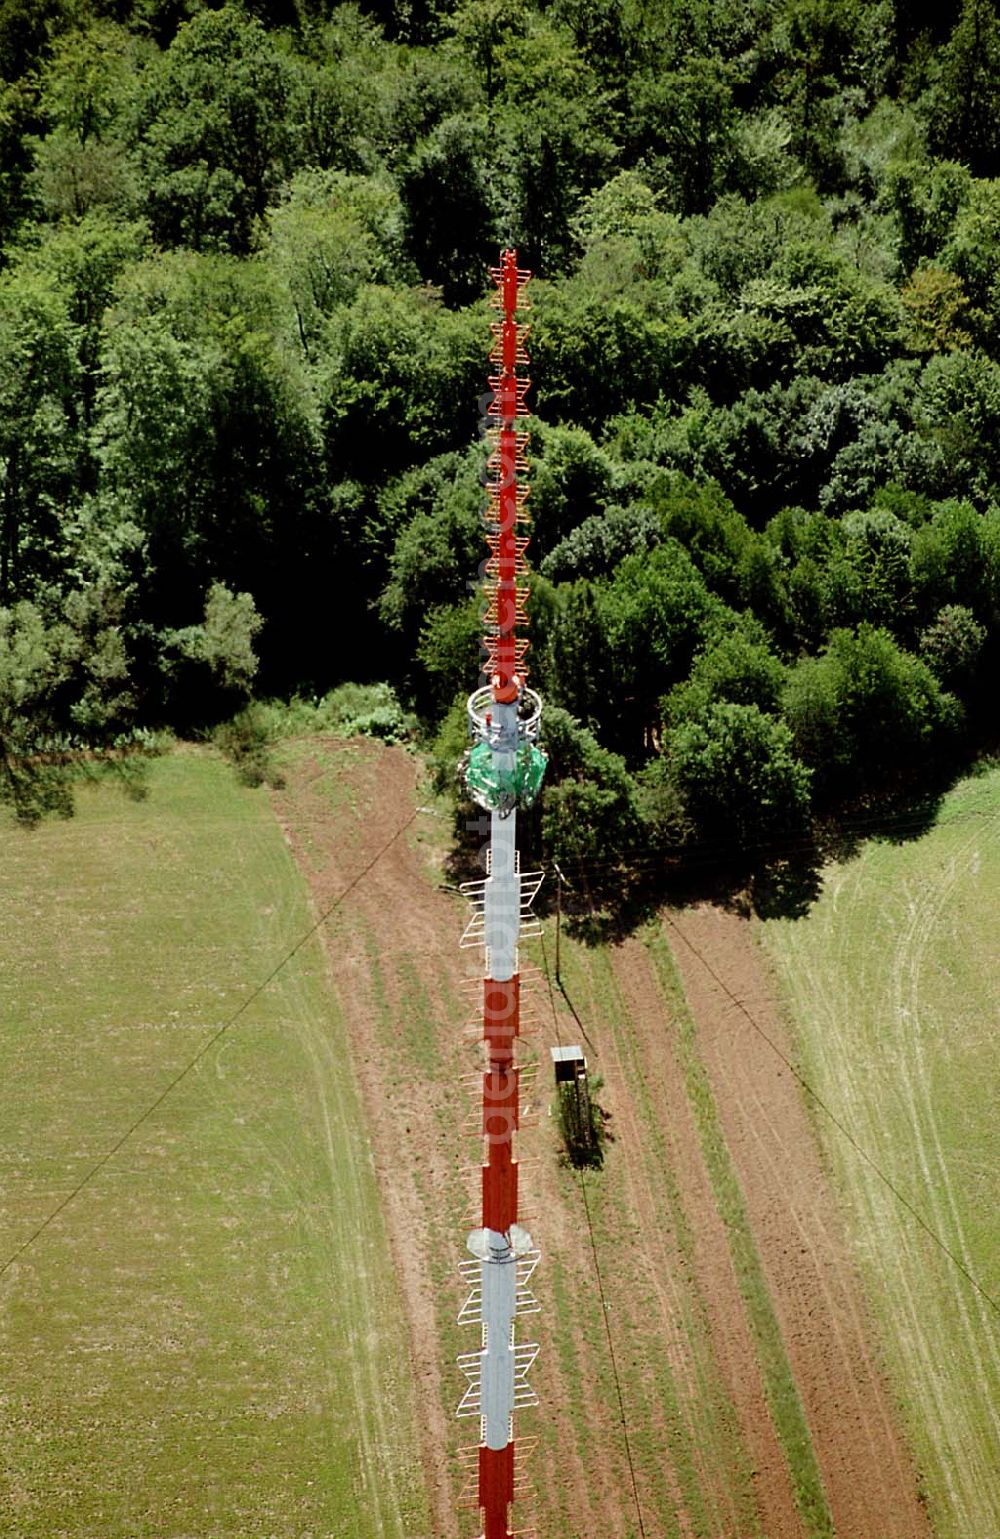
(503, 771)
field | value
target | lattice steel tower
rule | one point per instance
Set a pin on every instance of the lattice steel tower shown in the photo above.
(503, 770)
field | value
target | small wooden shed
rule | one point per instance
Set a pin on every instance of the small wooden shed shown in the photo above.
(569, 1064)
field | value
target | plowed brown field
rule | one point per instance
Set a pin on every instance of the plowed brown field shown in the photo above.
(867, 1473)
(656, 1418)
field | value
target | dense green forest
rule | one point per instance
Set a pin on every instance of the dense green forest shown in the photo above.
(243, 338)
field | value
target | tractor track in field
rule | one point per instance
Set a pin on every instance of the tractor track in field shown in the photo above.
(865, 1466)
(925, 905)
(925, 910)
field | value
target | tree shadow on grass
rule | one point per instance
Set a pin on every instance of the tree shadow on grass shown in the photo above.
(770, 884)
(895, 819)
(43, 785)
(777, 881)
(607, 899)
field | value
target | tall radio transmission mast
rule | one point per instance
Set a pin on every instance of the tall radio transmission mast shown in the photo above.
(502, 771)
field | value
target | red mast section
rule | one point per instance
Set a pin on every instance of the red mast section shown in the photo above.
(508, 489)
(502, 771)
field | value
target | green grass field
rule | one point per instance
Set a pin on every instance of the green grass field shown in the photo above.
(893, 985)
(205, 1344)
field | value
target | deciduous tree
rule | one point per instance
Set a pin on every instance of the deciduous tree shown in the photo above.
(215, 133)
(738, 775)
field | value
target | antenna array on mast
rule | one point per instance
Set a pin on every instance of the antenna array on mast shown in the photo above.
(503, 771)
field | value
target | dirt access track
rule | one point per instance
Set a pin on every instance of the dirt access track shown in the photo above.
(657, 1413)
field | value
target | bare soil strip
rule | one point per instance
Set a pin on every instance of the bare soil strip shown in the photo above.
(647, 1302)
(713, 1265)
(867, 1470)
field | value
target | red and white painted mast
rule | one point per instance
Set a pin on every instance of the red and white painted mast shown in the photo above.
(503, 770)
